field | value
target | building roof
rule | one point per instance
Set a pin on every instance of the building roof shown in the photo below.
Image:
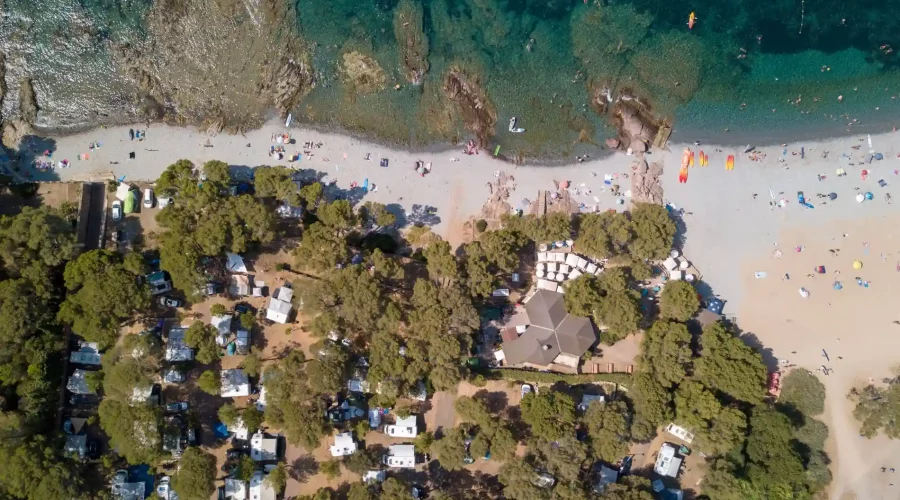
(76, 445)
(401, 455)
(235, 383)
(259, 488)
(405, 427)
(278, 310)
(343, 445)
(240, 285)
(262, 448)
(235, 488)
(87, 354)
(235, 263)
(605, 476)
(176, 349)
(551, 332)
(78, 383)
(222, 324)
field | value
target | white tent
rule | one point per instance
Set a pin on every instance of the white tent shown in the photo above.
(670, 264)
(235, 383)
(571, 260)
(123, 191)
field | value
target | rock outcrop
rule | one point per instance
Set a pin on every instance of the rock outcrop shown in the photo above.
(478, 113)
(28, 106)
(645, 186)
(411, 40)
(635, 123)
(362, 72)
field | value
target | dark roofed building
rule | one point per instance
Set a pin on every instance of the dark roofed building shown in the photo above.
(552, 336)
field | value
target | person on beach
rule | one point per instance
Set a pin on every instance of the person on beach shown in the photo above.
(131, 133)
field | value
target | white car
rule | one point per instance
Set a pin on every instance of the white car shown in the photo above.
(375, 418)
(118, 480)
(148, 198)
(117, 210)
(525, 390)
(164, 489)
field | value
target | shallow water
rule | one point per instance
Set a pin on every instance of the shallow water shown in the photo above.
(785, 61)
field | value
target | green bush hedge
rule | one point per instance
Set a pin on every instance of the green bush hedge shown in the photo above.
(622, 379)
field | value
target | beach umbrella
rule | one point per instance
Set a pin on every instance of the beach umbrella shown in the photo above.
(860, 198)
(832, 196)
(857, 265)
(869, 195)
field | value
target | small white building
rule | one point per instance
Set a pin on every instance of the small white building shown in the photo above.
(280, 305)
(262, 448)
(87, 354)
(667, 464)
(405, 428)
(343, 445)
(176, 349)
(401, 456)
(222, 324)
(235, 489)
(235, 383)
(260, 489)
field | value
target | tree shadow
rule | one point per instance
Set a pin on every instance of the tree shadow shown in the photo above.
(31, 148)
(423, 215)
(495, 402)
(768, 356)
(399, 212)
(303, 467)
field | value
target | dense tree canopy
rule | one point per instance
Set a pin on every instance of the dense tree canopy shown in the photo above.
(654, 231)
(32, 469)
(276, 182)
(666, 352)
(290, 403)
(133, 429)
(609, 429)
(603, 235)
(773, 462)
(729, 365)
(102, 294)
(608, 301)
(321, 248)
(202, 338)
(550, 414)
(450, 449)
(802, 389)
(196, 475)
(678, 301)
(33, 242)
(878, 410)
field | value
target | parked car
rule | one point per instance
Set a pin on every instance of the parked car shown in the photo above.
(525, 390)
(177, 406)
(117, 210)
(191, 436)
(164, 488)
(148, 198)
(119, 478)
(374, 417)
(93, 450)
(173, 376)
(169, 301)
(243, 307)
(234, 454)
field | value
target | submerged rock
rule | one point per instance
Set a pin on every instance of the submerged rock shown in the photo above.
(362, 72)
(28, 107)
(477, 112)
(412, 42)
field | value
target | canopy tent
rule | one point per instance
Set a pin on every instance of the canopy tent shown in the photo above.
(129, 202)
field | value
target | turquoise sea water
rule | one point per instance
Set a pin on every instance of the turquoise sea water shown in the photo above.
(768, 70)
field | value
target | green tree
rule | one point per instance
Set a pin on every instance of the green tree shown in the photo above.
(773, 462)
(196, 475)
(603, 235)
(312, 194)
(276, 182)
(813, 433)
(450, 450)
(551, 414)
(555, 226)
(442, 265)
(877, 410)
(330, 468)
(229, 414)
(652, 406)
(629, 488)
(474, 410)
(33, 469)
(376, 214)
(133, 430)
(729, 365)
(291, 405)
(351, 297)
(620, 314)
(252, 365)
(503, 444)
(563, 458)
(337, 215)
(609, 429)
(247, 320)
(695, 406)
(252, 417)
(277, 479)
(210, 382)
(802, 389)
(501, 248)
(394, 489)
(654, 231)
(518, 478)
(328, 371)
(725, 481)
(32, 243)
(678, 301)
(218, 310)
(360, 462)
(102, 294)
(246, 466)
(321, 248)
(666, 352)
(728, 430)
(360, 491)
(202, 338)
(423, 442)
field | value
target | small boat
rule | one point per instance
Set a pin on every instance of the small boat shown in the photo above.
(290, 118)
(692, 20)
(729, 163)
(513, 128)
(691, 161)
(683, 175)
(686, 158)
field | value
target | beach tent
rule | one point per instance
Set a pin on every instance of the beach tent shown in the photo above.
(129, 204)
(123, 191)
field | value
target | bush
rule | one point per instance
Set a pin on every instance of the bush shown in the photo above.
(481, 225)
(678, 301)
(478, 380)
(516, 374)
(218, 310)
(281, 266)
(802, 389)
(330, 468)
(210, 382)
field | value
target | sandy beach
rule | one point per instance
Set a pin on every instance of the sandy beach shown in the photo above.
(732, 230)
